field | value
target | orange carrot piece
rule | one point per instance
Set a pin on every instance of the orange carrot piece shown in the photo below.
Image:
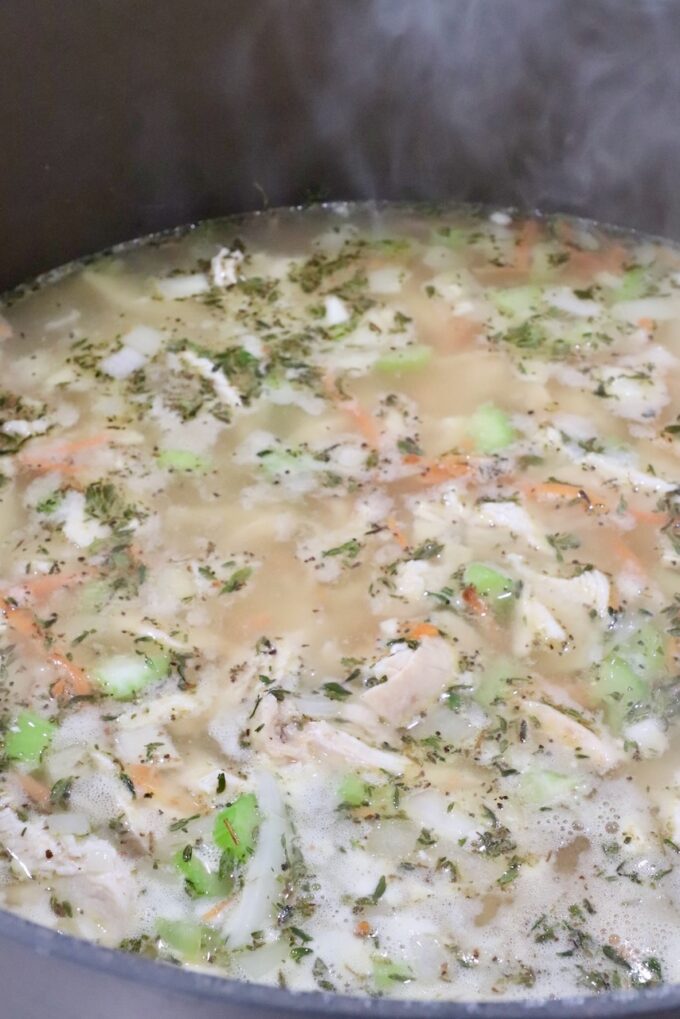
(444, 469)
(366, 424)
(554, 490)
(524, 250)
(419, 630)
(21, 621)
(652, 517)
(75, 682)
(42, 585)
(647, 324)
(397, 533)
(214, 911)
(36, 791)
(587, 263)
(164, 788)
(625, 554)
(473, 601)
(59, 456)
(143, 775)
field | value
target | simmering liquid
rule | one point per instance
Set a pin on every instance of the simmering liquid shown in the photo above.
(339, 610)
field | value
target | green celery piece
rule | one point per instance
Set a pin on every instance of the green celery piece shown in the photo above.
(182, 460)
(199, 879)
(124, 675)
(645, 653)
(545, 788)
(617, 688)
(353, 791)
(517, 302)
(496, 682)
(387, 974)
(490, 429)
(490, 585)
(451, 237)
(28, 737)
(280, 461)
(183, 936)
(633, 285)
(236, 826)
(94, 595)
(407, 359)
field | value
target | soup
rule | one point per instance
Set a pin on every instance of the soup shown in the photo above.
(339, 608)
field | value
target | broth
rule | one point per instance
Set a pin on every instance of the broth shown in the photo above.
(340, 618)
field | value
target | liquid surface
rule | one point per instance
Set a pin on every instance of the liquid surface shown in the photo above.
(339, 621)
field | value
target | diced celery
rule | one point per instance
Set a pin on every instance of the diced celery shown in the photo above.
(183, 936)
(490, 429)
(497, 681)
(546, 788)
(199, 880)
(577, 334)
(645, 652)
(353, 791)
(517, 302)
(406, 359)
(617, 688)
(490, 585)
(94, 595)
(275, 462)
(236, 826)
(452, 237)
(182, 460)
(122, 676)
(633, 285)
(387, 974)
(28, 737)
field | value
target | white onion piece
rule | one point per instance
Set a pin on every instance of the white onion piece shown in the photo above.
(175, 288)
(254, 911)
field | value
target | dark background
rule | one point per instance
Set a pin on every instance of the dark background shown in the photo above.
(120, 117)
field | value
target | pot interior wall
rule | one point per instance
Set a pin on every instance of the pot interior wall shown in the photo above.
(119, 118)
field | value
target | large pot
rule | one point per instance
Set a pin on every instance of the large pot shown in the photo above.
(122, 117)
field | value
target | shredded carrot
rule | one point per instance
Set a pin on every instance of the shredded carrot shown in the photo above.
(75, 683)
(145, 776)
(436, 471)
(648, 516)
(524, 250)
(59, 456)
(214, 911)
(36, 791)
(607, 259)
(625, 554)
(419, 630)
(647, 324)
(553, 490)
(473, 601)
(21, 621)
(366, 424)
(163, 787)
(397, 533)
(42, 585)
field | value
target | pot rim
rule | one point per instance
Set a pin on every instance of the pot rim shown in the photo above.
(274, 1000)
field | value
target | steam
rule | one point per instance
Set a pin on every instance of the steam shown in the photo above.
(565, 105)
